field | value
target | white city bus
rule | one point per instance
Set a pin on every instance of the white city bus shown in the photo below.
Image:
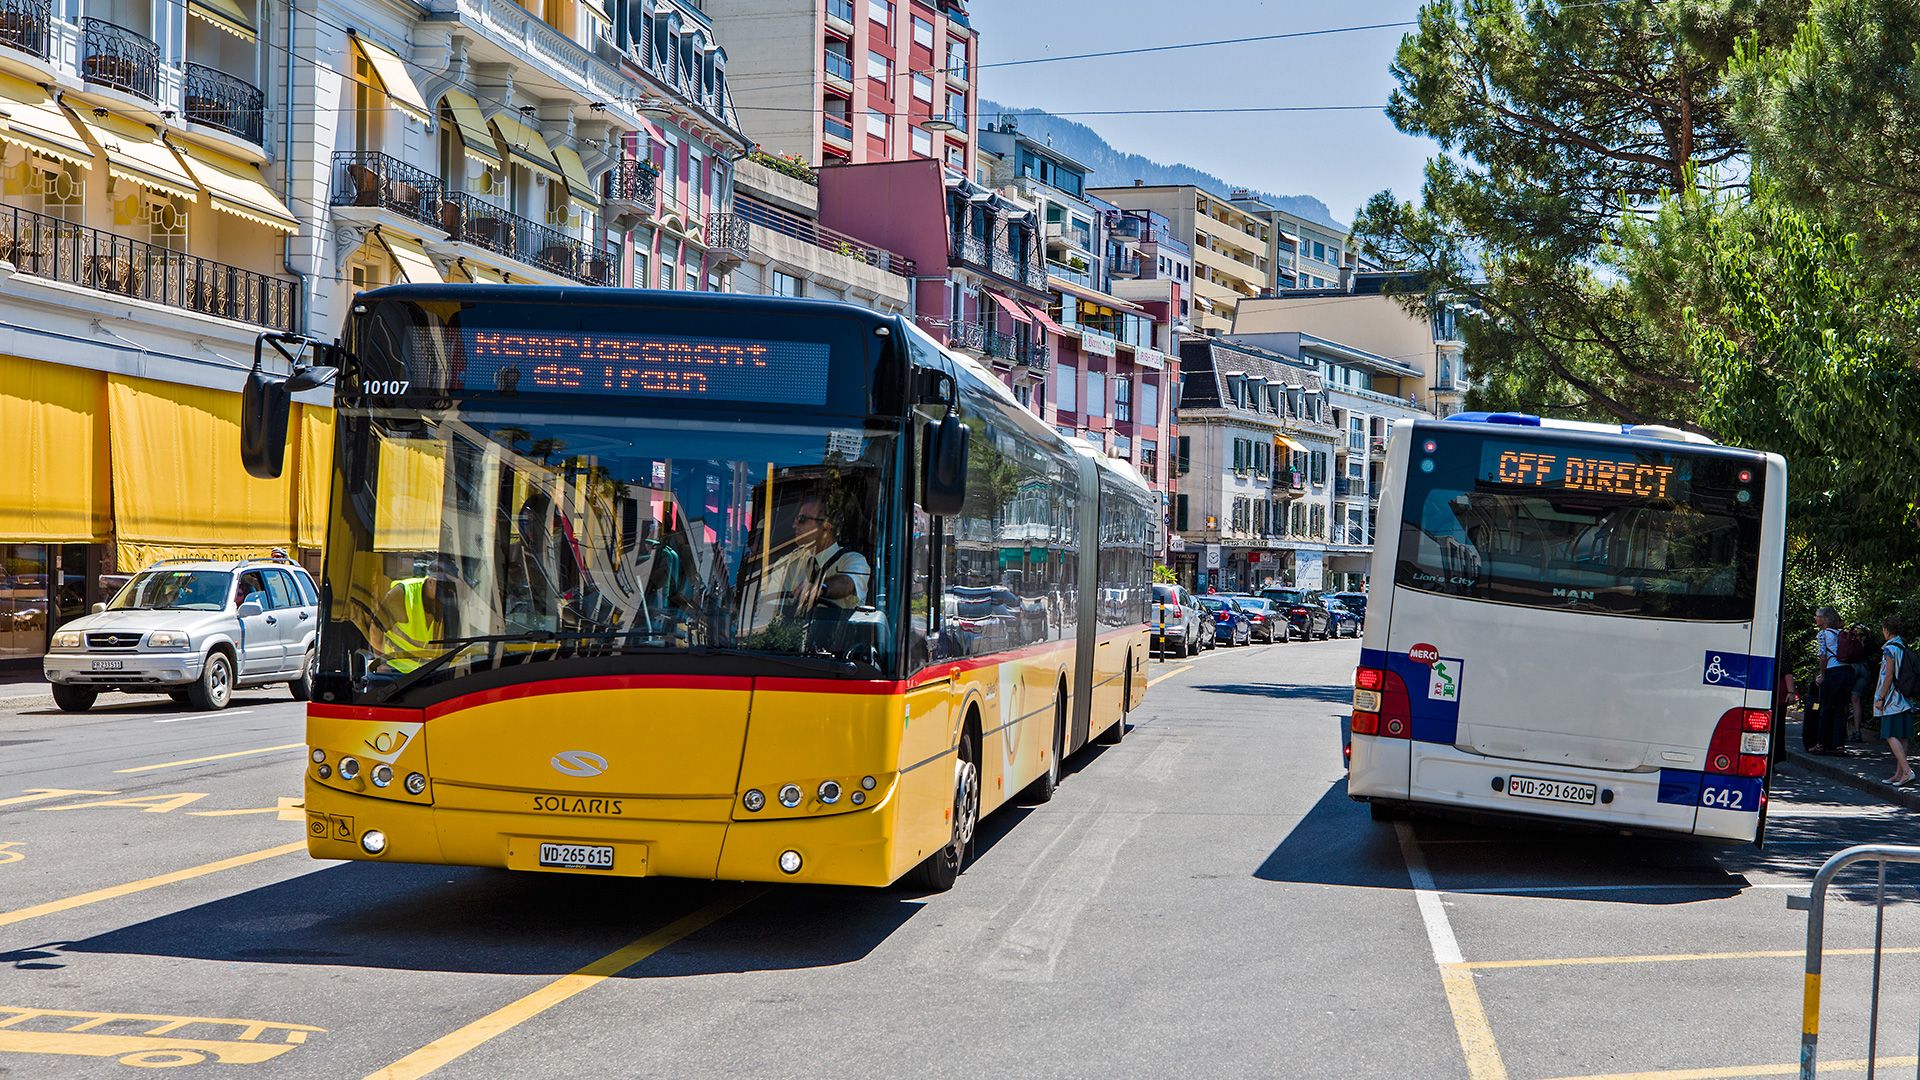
(1572, 621)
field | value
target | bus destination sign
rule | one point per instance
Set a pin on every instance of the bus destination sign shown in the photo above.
(1590, 470)
(650, 365)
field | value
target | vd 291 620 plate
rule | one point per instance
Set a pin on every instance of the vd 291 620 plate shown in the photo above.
(1528, 787)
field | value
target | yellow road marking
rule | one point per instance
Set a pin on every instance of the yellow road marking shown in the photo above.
(1471, 1024)
(216, 757)
(39, 793)
(146, 804)
(116, 891)
(1767, 955)
(441, 1051)
(10, 856)
(289, 810)
(1733, 1071)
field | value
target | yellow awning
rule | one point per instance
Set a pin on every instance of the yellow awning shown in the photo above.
(578, 186)
(136, 152)
(411, 258)
(526, 144)
(226, 15)
(315, 474)
(237, 188)
(53, 437)
(482, 275)
(1289, 444)
(474, 136)
(36, 121)
(177, 477)
(391, 73)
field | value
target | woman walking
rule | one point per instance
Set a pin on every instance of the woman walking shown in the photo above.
(1895, 711)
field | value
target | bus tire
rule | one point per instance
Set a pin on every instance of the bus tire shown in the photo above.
(1385, 811)
(1043, 787)
(939, 871)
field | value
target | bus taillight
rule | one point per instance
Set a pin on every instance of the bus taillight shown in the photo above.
(1380, 705)
(1369, 678)
(1741, 742)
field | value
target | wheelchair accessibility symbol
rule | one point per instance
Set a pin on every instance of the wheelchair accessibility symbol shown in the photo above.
(1725, 669)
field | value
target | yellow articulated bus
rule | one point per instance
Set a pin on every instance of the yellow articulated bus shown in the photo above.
(710, 586)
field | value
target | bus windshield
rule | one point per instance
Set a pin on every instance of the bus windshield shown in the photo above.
(479, 539)
(1597, 527)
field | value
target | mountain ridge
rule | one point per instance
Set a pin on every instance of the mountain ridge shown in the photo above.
(1112, 168)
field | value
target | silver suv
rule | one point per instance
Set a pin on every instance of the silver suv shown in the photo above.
(194, 628)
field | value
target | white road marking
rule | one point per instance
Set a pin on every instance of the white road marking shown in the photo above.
(204, 716)
(1446, 950)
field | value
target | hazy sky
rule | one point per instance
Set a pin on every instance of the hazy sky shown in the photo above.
(1341, 158)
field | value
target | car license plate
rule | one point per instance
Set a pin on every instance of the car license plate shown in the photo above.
(577, 856)
(1528, 787)
(109, 665)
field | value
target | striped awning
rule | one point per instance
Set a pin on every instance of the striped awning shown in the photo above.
(137, 153)
(39, 123)
(391, 73)
(236, 187)
(526, 146)
(225, 14)
(411, 257)
(475, 139)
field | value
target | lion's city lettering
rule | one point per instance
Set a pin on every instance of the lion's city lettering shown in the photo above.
(576, 804)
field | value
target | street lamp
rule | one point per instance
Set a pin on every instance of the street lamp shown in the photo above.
(938, 123)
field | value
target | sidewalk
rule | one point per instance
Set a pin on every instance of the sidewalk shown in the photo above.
(1864, 766)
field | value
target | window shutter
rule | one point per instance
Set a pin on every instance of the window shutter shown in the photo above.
(1180, 505)
(1181, 457)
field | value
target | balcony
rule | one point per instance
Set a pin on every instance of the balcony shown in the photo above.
(631, 187)
(1125, 264)
(47, 247)
(365, 178)
(840, 67)
(1067, 273)
(966, 335)
(23, 25)
(473, 220)
(1289, 480)
(836, 128)
(841, 10)
(219, 100)
(729, 239)
(116, 57)
(780, 221)
(958, 120)
(1062, 233)
(968, 248)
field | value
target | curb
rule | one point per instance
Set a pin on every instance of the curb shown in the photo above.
(1885, 792)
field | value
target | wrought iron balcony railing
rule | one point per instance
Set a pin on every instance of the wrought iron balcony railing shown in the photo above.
(774, 219)
(632, 181)
(967, 335)
(219, 100)
(115, 56)
(969, 248)
(1003, 346)
(366, 178)
(23, 25)
(42, 246)
(476, 221)
(729, 237)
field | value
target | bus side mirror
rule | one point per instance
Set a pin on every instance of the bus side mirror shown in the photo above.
(943, 473)
(264, 405)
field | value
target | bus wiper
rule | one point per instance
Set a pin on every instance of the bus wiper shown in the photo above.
(799, 660)
(412, 678)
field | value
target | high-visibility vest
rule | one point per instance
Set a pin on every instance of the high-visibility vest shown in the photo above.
(407, 640)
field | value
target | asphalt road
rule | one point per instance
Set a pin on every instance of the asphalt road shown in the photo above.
(1202, 900)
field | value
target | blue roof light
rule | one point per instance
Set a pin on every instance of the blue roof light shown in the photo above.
(1513, 418)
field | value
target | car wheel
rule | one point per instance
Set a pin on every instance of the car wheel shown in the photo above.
(74, 698)
(215, 687)
(302, 687)
(942, 868)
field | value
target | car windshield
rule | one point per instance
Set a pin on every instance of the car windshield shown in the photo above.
(174, 590)
(1286, 596)
(1214, 603)
(478, 540)
(1255, 605)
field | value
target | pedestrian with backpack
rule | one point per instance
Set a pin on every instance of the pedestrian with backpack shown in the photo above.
(1893, 701)
(1835, 682)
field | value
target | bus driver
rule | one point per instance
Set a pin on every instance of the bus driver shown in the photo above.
(838, 576)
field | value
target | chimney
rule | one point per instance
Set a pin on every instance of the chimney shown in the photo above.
(1266, 293)
(1137, 182)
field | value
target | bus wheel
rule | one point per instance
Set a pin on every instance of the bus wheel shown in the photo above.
(1383, 811)
(942, 868)
(1042, 789)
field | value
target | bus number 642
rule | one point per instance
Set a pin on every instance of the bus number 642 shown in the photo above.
(1724, 798)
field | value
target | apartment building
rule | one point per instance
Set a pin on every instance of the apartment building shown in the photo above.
(1365, 316)
(855, 81)
(1230, 249)
(176, 178)
(789, 253)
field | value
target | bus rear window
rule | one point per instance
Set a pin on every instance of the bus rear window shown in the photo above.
(1601, 528)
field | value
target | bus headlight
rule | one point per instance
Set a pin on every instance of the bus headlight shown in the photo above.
(373, 841)
(829, 792)
(790, 797)
(790, 862)
(382, 775)
(753, 800)
(349, 768)
(416, 783)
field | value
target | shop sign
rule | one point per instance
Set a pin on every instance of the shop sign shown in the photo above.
(1176, 542)
(1213, 557)
(1149, 358)
(1096, 344)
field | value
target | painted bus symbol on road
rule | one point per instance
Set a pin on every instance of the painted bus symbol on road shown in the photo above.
(145, 1040)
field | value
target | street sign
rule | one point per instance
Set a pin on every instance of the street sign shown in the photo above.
(1213, 557)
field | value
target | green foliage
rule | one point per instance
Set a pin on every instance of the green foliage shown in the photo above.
(1164, 575)
(792, 165)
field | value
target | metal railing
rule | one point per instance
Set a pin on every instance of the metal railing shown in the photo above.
(1067, 273)
(48, 247)
(1815, 905)
(957, 119)
(632, 181)
(219, 100)
(841, 9)
(967, 335)
(969, 248)
(1036, 356)
(115, 56)
(729, 236)
(23, 25)
(837, 127)
(1124, 265)
(839, 65)
(367, 178)
(774, 219)
(482, 224)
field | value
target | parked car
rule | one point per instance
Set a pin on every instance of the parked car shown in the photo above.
(1345, 622)
(196, 629)
(1180, 625)
(1269, 623)
(1230, 623)
(1309, 621)
(1355, 602)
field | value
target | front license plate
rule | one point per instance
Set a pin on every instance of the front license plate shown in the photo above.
(109, 665)
(1528, 787)
(577, 856)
